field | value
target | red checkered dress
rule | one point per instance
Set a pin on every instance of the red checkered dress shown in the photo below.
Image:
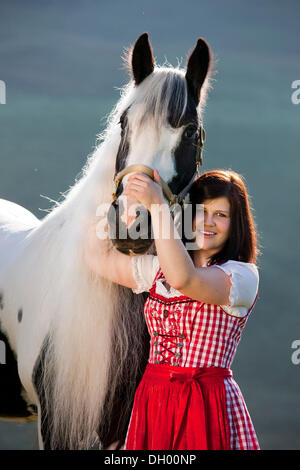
(190, 334)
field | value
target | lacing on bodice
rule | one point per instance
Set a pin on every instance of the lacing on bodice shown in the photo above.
(167, 344)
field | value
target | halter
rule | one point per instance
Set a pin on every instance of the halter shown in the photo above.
(172, 198)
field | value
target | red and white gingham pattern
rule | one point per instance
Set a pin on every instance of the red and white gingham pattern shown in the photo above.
(242, 433)
(188, 333)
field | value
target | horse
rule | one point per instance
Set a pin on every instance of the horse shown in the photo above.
(76, 344)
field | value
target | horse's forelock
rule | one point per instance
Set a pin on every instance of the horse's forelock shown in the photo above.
(161, 96)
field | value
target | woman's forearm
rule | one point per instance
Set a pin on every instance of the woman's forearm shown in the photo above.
(106, 261)
(174, 260)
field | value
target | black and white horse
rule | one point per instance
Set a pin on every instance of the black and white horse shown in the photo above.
(76, 344)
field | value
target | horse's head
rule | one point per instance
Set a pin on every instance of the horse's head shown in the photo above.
(160, 126)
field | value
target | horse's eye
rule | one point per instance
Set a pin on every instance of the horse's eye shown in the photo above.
(190, 132)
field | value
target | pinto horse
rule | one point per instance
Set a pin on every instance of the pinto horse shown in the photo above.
(76, 344)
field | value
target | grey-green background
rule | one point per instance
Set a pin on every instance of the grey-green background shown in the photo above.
(61, 64)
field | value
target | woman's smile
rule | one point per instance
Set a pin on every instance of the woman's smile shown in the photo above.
(213, 225)
(208, 234)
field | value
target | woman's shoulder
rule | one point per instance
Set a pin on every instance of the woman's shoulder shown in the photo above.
(244, 283)
(242, 273)
(240, 266)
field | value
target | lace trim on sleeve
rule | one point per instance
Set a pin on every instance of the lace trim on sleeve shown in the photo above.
(141, 283)
(233, 289)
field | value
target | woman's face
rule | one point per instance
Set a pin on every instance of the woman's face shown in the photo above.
(213, 232)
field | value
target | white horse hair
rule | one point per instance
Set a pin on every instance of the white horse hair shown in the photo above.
(84, 330)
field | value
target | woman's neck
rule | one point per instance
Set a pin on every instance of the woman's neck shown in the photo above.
(201, 257)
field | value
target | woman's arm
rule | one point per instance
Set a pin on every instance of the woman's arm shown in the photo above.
(210, 285)
(106, 261)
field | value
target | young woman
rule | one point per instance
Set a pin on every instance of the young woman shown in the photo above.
(198, 304)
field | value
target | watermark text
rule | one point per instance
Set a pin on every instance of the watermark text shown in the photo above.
(296, 354)
(295, 98)
(133, 222)
(2, 92)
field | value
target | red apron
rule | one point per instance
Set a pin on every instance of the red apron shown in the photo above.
(180, 408)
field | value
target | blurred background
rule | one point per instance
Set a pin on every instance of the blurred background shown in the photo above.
(61, 62)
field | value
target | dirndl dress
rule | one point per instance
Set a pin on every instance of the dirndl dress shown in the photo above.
(187, 398)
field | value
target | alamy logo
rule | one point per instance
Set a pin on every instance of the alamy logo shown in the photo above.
(296, 94)
(131, 221)
(2, 92)
(296, 354)
(2, 353)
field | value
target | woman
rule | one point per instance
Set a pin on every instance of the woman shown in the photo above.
(198, 304)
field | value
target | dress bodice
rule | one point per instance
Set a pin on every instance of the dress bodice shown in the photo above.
(189, 333)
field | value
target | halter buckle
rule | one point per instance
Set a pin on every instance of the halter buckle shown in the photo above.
(116, 185)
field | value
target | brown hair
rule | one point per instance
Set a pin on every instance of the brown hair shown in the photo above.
(242, 241)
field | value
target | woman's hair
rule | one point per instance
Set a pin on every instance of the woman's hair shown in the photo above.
(242, 241)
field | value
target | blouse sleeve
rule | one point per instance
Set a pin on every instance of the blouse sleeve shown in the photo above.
(244, 279)
(144, 268)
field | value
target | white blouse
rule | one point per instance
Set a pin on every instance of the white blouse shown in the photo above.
(244, 279)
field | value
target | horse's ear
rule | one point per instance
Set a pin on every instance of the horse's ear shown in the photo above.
(198, 64)
(142, 59)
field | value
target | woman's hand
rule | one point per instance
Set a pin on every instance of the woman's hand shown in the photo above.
(144, 189)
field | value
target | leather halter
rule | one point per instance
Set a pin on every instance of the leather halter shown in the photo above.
(172, 198)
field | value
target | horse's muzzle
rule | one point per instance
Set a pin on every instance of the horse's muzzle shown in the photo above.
(129, 226)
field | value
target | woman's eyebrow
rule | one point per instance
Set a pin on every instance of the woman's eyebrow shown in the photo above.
(220, 210)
